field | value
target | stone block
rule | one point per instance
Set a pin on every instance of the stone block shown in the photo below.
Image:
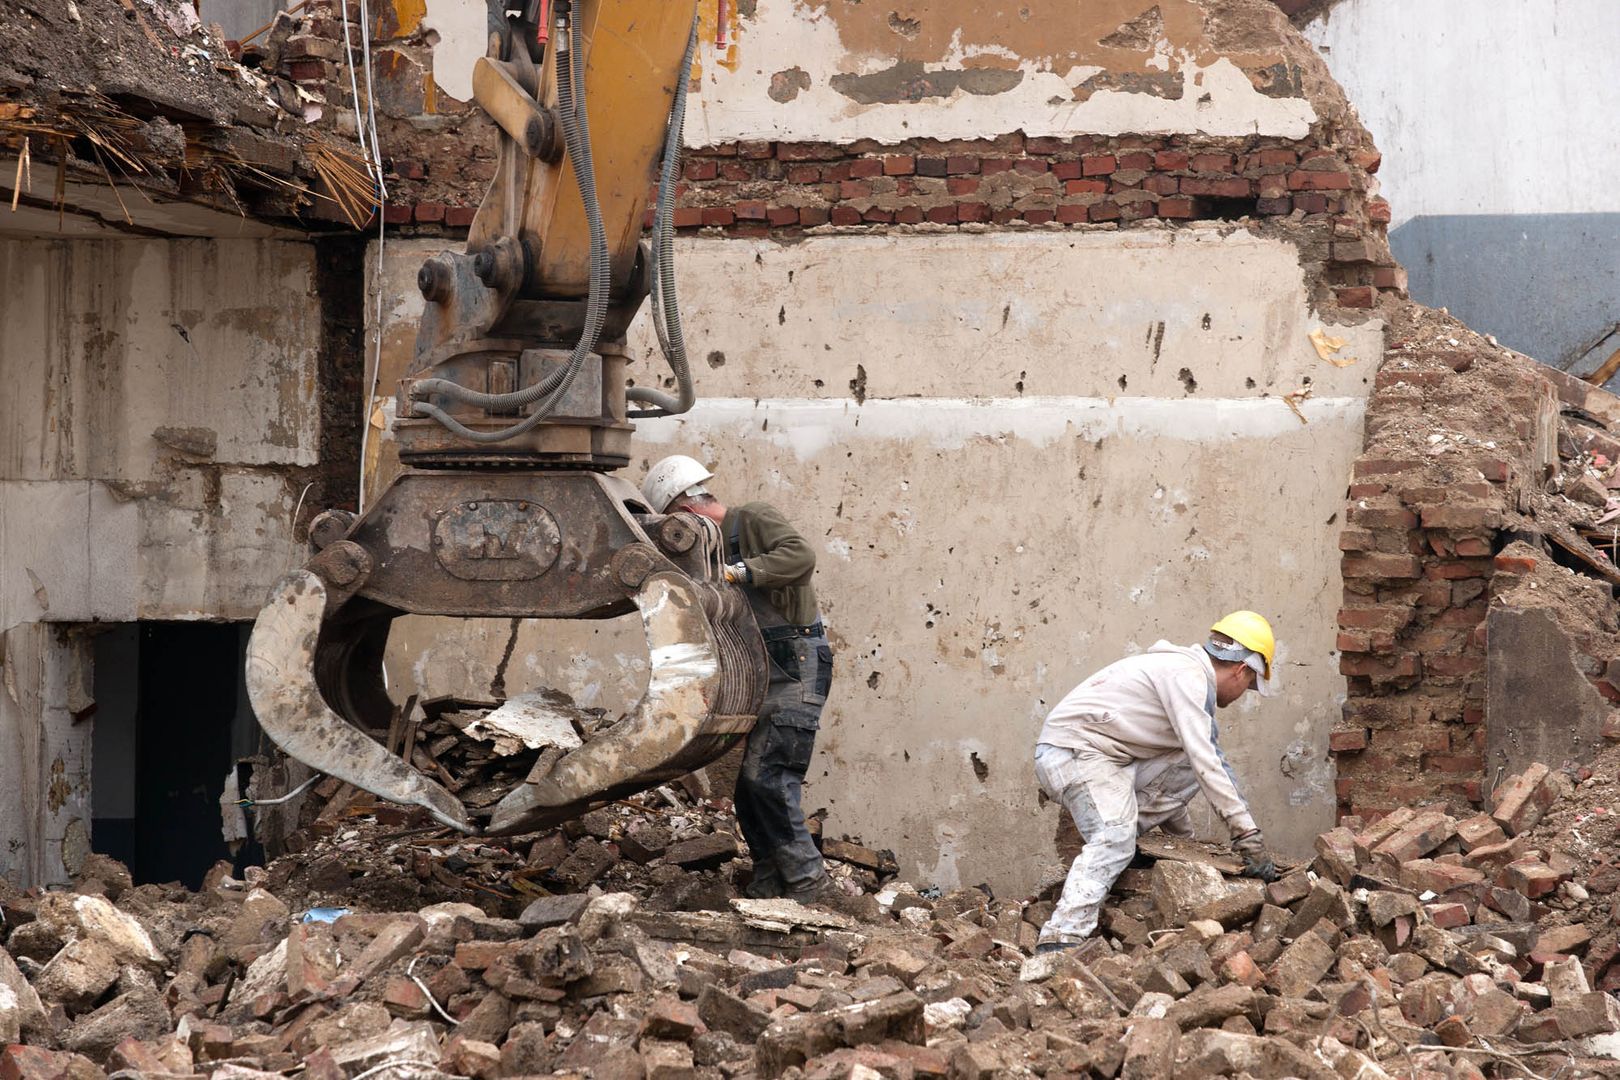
(1594, 1013)
(1336, 849)
(1301, 966)
(1481, 830)
(553, 911)
(722, 1010)
(19, 1062)
(1523, 799)
(1568, 939)
(588, 861)
(1150, 1049)
(703, 853)
(1383, 906)
(1210, 1005)
(1180, 888)
(1239, 906)
(78, 975)
(1530, 877)
(1416, 838)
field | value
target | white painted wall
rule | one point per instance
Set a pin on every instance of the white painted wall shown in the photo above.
(984, 545)
(1508, 112)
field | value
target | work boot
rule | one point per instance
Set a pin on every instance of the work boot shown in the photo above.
(818, 889)
(766, 883)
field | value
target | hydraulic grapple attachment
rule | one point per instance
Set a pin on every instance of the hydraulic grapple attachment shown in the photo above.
(570, 548)
(511, 419)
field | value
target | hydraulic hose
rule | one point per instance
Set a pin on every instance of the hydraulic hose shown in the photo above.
(577, 138)
(666, 314)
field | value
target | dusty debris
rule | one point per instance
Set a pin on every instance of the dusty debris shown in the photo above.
(1418, 944)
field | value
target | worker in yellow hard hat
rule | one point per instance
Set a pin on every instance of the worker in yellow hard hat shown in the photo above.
(1128, 749)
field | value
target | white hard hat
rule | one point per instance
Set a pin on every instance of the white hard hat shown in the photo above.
(671, 478)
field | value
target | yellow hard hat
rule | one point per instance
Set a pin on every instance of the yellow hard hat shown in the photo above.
(1250, 630)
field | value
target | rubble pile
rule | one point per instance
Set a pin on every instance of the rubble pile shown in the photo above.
(1421, 944)
(675, 847)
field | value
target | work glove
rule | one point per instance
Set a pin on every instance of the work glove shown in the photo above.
(737, 573)
(1251, 846)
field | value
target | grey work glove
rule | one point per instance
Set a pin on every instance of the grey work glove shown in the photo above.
(1256, 863)
(737, 573)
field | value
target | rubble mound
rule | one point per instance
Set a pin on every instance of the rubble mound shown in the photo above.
(1420, 944)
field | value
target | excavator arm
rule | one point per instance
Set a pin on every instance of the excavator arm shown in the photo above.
(511, 420)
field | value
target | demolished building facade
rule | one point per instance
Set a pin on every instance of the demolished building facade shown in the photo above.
(1058, 339)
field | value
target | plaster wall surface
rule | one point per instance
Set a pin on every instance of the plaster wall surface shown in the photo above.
(1492, 137)
(158, 417)
(159, 395)
(1019, 456)
(953, 69)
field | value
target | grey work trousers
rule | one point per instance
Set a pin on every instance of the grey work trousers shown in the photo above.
(778, 755)
(1112, 805)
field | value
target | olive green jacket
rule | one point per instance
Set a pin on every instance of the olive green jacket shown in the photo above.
(780, 561)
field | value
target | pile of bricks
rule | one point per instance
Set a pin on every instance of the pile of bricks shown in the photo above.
(1430, 507)
(1411, 946)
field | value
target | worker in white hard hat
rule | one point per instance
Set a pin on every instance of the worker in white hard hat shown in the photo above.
(1127, 750)
(773, 563)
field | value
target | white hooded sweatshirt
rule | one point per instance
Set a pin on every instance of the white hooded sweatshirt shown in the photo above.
(1148, 705)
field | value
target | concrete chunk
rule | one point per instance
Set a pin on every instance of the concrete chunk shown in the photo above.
(1181, 888)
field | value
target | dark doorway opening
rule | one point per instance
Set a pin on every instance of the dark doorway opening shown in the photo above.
(171, 719)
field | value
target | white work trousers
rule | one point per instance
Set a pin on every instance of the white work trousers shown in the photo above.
(1111, 805)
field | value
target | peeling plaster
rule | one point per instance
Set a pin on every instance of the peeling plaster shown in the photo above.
(950, 69)
(963, 70)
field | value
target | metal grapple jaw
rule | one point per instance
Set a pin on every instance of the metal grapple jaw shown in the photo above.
(561, 544)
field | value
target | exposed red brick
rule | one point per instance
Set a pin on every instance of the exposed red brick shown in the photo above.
(1212, 162)
(1085, 187)
(899, 165)
(1175, 208)
(862, 168)
(1357, 296)
(1347, 741)
(962, 185)
(718, 215)
(1310, 180)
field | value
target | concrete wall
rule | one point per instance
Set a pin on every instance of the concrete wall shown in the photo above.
(159, 421)
(1494, 159)
(1020, 456)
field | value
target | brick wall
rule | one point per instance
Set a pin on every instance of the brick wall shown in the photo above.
(1455, 435)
